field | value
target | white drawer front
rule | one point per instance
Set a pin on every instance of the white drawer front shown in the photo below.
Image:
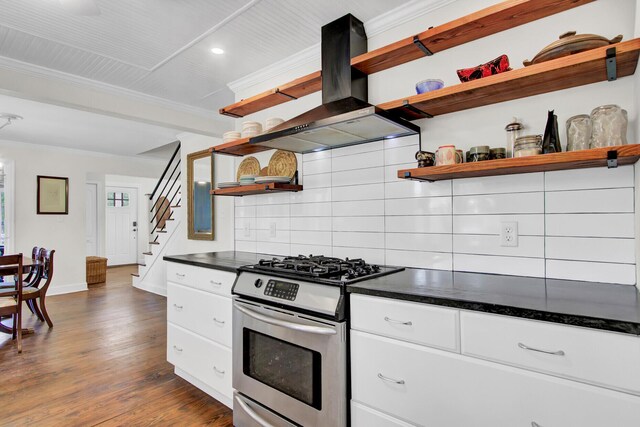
(419, 323)
(363, 416)
(207, 279)
(438, 388)
(602, 358)
(206, 314)
(201, 358)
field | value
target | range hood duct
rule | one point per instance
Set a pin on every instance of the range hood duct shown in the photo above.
(345, 117)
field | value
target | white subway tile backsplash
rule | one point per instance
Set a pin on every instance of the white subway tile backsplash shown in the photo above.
(312, 196)
(405, 189)
(577, 224)
(624, 274)
(417, 259)
(309, 182)
(515, 203)
(311, 223)
(512, 266)
(316, 238)
(358, 161)
(357, 149)
(274, 211)
(590, 201)
(418, 224)
(358, 239)
(591, 225)
(396, 156)
(591, 249)
(418, 206)
(528, 225)
(359, 223)
(587, 179)
(359, 208)
(316, 166)
(530, 182)
(528, 246)
(311, 209)
(419, 242)
(358, 192)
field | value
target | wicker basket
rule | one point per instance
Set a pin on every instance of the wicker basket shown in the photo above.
(96, 270)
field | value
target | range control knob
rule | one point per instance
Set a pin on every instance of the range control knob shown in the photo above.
(258, 283)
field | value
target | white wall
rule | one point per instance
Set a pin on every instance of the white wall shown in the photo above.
(353, 205)
(64, 233)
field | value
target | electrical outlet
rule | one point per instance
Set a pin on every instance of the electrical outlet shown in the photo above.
(509, 234)
(247, 230)
(272, 230)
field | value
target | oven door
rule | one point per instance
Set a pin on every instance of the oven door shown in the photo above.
(293, 364)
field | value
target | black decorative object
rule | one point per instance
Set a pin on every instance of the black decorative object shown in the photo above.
(551, 140)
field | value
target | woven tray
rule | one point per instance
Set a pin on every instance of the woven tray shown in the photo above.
(249, 166)
(283, 163)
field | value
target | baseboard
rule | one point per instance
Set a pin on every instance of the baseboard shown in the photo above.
(154, 288)
(202, 386)
(67, 289)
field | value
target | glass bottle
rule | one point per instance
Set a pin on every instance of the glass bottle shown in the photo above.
(513, 132)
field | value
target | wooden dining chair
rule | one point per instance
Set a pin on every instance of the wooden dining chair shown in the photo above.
(34, 271)
(35, 296)
(11, 299)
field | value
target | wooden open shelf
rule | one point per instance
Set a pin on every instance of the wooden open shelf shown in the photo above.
(494, 19)
(596, 157)
(562, 73)
(239, 147)
(247, 190)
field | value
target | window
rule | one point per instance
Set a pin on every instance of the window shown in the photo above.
(117, 200)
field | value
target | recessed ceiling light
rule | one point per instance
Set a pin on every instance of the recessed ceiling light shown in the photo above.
(217, 51)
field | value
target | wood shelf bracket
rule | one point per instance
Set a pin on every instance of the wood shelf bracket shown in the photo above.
(612, 159)
(230, 114)
(612, 65)
(421, 46)
(286, 95)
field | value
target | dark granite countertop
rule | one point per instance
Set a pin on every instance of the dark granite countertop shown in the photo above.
(227, 261)
(594, 305)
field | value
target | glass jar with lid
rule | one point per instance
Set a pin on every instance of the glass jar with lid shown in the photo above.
(609, 124)
(513, 132)
(579, 132)
(528, 145)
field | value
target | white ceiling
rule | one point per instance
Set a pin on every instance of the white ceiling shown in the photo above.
(65, 127)
(162, 47)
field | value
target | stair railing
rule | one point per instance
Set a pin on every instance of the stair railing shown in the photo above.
(162, 201)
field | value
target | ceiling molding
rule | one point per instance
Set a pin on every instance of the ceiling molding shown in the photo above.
(48, 73)
(385, 22)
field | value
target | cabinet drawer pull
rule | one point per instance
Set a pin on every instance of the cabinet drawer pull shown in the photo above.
(176, 348)
(178, 307)
(399, 322)
(391, 380)
(218, 321)
(554, 353)
(213, 282)
(218, 371)
(180, 274)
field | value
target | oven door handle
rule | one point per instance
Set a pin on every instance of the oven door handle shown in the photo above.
(257, 418)
(320, 330)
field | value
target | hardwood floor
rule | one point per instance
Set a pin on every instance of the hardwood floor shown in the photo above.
(103, 363)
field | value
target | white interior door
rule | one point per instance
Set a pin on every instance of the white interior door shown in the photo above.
(91, 213)
(121, 225)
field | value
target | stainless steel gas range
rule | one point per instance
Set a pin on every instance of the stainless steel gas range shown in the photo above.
(290, 340)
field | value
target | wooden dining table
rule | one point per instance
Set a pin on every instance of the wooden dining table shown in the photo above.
(11, 270)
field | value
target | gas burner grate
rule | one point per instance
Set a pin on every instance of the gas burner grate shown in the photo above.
(319, 266)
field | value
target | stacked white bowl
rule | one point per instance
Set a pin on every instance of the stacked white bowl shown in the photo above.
(272, 122)
(232, 135)
(251, 129)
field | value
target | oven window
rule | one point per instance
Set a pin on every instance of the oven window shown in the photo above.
(291, 369)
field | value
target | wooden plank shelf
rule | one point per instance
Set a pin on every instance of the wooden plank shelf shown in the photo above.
(239, 147)
(596, 157)
(562, 73)
(247, 190)
(491, 20)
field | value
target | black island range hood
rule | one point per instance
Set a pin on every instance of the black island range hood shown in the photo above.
(345, 117)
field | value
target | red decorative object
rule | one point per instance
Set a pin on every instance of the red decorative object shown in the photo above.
(497, 66)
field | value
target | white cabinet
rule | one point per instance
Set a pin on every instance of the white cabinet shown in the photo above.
(399, 383)
(199, 327)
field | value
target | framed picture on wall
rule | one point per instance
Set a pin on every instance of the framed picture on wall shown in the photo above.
(53, 195)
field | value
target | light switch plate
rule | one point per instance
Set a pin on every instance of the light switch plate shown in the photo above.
(509, 233)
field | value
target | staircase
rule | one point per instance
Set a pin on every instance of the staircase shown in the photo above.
(165, 217)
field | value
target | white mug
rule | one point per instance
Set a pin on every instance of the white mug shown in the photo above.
(446, 155)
